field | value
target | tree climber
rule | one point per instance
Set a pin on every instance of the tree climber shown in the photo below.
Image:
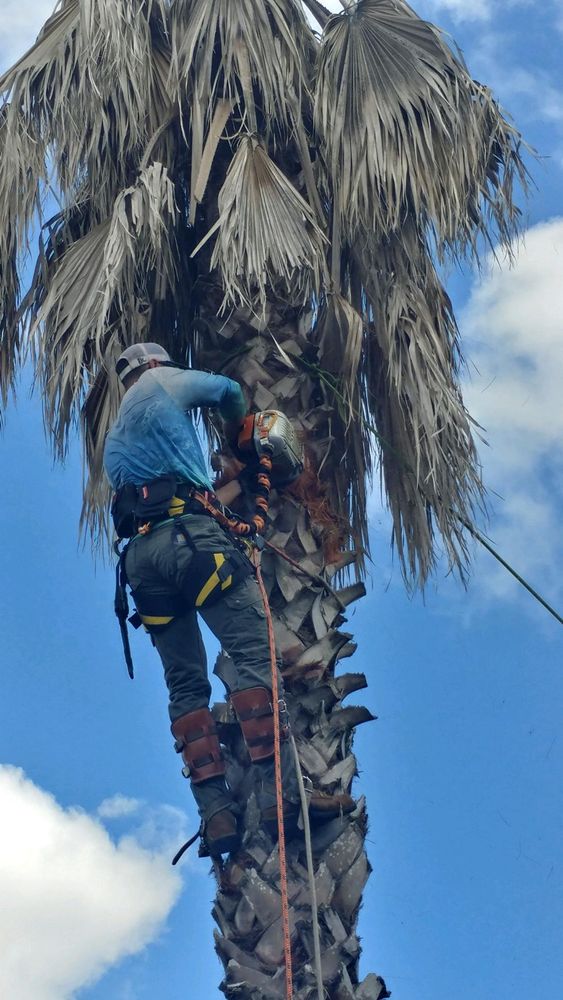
(181, 559)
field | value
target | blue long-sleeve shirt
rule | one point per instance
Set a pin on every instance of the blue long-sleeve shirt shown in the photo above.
(154, 434)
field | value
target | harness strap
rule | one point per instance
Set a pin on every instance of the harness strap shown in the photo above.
(121, 608)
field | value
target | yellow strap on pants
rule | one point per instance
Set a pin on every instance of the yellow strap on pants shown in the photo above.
(213, 581)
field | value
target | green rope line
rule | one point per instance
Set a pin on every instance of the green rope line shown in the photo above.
(479, 537)
(331, 382)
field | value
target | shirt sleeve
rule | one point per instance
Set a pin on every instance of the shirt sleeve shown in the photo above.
(193, 388)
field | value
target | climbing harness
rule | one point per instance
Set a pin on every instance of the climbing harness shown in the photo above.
(139, 511)
(269, 439)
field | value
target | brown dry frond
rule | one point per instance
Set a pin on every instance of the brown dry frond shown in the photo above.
(255, 55)
(268, 239)
(340, 335)
(42, 66)
(407, 131)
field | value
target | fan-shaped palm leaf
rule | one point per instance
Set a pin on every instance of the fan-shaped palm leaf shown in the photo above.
(91, 84)
(267, 238)
(46, 57)
(100, 292)
(406, 130)
(431, 473)
(254, 54)
(264, 45)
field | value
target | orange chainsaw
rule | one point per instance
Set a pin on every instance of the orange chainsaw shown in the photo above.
(270, 433)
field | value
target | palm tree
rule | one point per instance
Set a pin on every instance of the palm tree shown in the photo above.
(275, 203)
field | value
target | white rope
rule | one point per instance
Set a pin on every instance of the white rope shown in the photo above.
(311, 871)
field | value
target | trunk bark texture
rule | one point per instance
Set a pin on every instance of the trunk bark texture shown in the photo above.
(309, 612)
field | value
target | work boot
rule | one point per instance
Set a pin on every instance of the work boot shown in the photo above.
(220, 833)
(198, 742)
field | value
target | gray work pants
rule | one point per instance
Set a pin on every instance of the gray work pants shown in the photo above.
(159, 565)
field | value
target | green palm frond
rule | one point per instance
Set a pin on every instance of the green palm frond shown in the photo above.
(268, 239)
(406, 129)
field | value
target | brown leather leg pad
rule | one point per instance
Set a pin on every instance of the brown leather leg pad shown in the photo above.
(197, 741)
(254, 712)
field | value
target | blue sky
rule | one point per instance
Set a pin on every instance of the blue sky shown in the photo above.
(463, 769)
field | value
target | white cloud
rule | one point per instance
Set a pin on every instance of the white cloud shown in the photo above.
(73, 902)
(460, 10)
(537, 88)
(118, 806)
(531, 95)
(513, 331)
(21, 22)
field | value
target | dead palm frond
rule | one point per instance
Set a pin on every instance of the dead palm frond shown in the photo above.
(316, 175)
(45, 59)
(251, 56)
(98, 294)
(90, 91)
(431, 474)
(252, 52)
(407, 131)
(267, 236)
(21, 179)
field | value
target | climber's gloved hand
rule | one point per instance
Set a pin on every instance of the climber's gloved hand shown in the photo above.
(240, 438)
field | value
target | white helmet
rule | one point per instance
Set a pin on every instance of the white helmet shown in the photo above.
(139, 355)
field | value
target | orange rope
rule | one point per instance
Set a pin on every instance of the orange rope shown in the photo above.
(279, 786)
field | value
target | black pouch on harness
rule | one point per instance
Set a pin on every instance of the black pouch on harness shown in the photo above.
(133, 505)
(123, 511)
(154, 498)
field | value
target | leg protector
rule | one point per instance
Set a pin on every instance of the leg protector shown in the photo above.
(197, 741)
(255, 714)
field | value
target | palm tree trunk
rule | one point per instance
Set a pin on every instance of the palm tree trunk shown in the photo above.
(309, 616)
